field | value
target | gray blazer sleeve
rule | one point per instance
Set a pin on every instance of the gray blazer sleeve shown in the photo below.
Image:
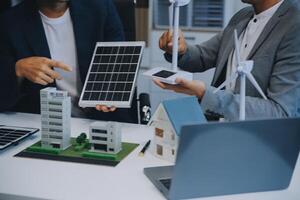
(283, 92)
(200, 58)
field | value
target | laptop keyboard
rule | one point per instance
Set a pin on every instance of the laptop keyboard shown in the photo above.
(166, 183)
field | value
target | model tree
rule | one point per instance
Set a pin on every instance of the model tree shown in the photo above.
(81, 139)
(81, 142)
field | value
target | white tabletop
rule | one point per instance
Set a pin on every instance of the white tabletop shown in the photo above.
(63, 180)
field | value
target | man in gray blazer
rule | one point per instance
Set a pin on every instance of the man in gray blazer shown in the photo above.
(269, 34)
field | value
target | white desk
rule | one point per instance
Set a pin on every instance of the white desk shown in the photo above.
(71, 181)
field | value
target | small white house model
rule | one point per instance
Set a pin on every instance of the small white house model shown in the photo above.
(105, 137)
(167, 121)
(55, 118)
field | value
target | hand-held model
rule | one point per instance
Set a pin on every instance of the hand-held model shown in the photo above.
(163, 74)
(243, 70)
(112, 74)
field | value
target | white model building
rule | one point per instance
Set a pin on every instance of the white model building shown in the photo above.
(56, 118)
(167, 121)
(105, 137)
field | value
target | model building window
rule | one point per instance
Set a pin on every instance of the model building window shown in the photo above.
(159, 132)
(55, 103)
(55, 123)
(172, 136)
(53, 130)
(56, 146)
(56, 137)
(100, 147)
(55, 117)
(111, 149)
(99, 138)
(173, 152)
(99, 131)
(55, 110)
(159, 150)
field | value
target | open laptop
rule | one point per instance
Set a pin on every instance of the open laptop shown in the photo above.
(230, 158)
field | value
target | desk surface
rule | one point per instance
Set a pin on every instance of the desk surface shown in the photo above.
(62, 180)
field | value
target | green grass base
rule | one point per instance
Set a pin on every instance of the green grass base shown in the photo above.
(38, 149)
(72, 151)
(99, 156)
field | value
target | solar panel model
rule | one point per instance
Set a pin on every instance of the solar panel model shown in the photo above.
(10, 135)
(112, 74)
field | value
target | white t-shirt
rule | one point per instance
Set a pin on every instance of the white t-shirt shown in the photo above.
(61, 41)
(249, 37)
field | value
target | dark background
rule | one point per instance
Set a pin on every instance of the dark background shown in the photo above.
(126, 10)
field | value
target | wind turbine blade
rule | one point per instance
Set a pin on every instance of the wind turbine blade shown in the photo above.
(237, 49)
(256, 85)
(227, 82)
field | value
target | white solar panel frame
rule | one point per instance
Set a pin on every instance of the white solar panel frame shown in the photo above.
(118, 104)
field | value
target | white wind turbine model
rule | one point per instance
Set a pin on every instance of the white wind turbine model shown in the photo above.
(174, 13)
(163, 74)
(243, 70)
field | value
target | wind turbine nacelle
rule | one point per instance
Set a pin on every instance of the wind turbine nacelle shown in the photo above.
(245, 66)
(180, 2)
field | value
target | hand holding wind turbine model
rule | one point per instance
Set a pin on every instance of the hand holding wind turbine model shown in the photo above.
(163, 74)
(243, 70)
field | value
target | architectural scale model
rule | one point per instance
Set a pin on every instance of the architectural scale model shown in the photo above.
(105, 137)
(104, 146)
(55, 118)
(167, 121)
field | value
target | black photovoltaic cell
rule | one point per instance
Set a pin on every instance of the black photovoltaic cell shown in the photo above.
(112, 73)
(9, 136)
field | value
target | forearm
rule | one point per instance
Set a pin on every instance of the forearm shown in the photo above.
(199, 58)
(227, 104)
(191, 61)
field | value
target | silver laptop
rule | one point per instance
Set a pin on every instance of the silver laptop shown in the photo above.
(230, 158)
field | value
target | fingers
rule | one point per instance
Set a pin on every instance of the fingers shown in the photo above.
(182, 86)
(182, 44)
(196, 88)
(106, 109)
(46, 78)
(159, 84)
(165, 42)
(39, 69)
(164, 86)
(183, 82)
(53, 74)
(58, 64)
(40, 81)
(169, 40)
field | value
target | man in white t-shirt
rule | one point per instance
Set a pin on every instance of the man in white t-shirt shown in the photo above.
(269, 35)
(50, 43)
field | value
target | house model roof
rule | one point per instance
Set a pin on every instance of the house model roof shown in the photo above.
(184, 111)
